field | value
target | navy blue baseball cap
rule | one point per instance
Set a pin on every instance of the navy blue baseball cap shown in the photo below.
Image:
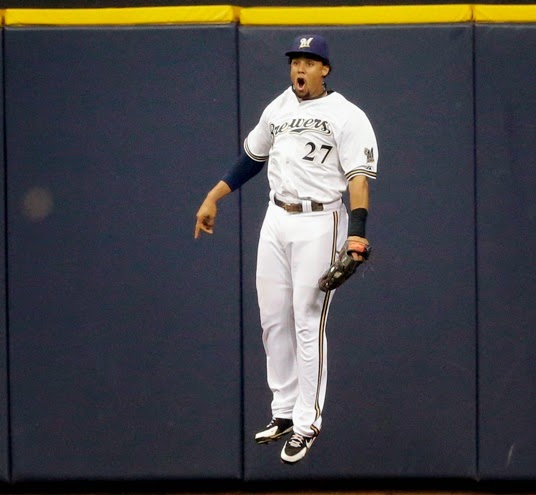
(310, 44)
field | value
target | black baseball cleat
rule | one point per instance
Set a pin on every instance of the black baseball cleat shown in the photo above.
(274, 430)
(296, 448)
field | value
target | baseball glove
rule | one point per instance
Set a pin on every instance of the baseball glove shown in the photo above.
(345, 265)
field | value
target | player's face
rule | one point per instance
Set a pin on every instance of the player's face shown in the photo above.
(307, 76)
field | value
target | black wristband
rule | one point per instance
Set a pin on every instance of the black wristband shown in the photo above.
(358, 220)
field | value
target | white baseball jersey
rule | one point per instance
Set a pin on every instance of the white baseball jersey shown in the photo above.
(314, 146)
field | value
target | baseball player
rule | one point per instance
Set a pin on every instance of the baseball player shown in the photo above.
(317, 145)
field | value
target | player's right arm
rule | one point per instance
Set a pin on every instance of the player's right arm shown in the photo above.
(244, 169)
(206, 215)
(247, 166)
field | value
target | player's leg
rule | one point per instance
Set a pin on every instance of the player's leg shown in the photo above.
(314, 248)
(274, 290)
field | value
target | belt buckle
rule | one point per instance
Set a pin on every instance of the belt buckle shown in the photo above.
(291, 207)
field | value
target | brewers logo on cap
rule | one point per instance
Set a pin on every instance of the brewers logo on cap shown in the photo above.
(312, 44)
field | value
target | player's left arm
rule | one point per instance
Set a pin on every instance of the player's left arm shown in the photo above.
(356, 248)
(358, 190)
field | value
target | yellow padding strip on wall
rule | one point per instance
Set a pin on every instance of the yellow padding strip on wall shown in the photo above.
(289, 16)
(505, 13)
(400, 14)
(117, 16)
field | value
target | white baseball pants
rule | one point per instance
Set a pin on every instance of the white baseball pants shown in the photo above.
(295, 249)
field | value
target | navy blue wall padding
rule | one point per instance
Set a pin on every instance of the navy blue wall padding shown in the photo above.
(125, 332)
(401, 386)
(4, 427)
(506, 209)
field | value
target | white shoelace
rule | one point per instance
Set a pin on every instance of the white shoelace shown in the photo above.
(296, 440)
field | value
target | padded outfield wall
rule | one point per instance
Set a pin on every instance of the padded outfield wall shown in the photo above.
(134, 352)
(118, 350)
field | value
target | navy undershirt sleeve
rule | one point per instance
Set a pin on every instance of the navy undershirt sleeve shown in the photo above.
(244, 169)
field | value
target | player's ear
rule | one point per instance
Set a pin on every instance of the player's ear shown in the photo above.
(325, 70)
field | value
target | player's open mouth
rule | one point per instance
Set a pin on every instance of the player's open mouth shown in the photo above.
(300, 83)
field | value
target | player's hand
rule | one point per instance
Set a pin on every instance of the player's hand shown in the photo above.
(206, 216)
(357, 245)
